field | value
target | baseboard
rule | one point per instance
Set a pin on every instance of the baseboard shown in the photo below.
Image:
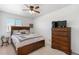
(73, 53)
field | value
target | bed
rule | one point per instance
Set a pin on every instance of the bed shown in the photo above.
(25, 43)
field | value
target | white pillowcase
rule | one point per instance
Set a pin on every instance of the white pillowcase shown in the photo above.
(16, 32)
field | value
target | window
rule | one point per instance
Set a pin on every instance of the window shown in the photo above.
(10, 22)
(13, 22)
(18, 22)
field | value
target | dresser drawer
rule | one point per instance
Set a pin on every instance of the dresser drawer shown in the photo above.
(66, 44)
(60, 33)
(61, 29)
(55, 45)
(64, 39)
(64, 48)
(61, 42)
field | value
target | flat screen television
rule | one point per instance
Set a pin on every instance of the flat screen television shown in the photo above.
(59, 24)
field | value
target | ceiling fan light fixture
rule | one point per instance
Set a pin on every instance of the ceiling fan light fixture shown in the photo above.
(32, 12)
(33, 9)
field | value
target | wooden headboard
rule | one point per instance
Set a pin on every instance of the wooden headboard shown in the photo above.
(19, 28)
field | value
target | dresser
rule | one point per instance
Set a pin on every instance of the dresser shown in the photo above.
(61, 39)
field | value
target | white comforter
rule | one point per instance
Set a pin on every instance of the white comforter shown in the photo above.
(26, 41)
(23, 37)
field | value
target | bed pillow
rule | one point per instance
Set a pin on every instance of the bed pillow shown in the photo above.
(16, 32)
(24, 31)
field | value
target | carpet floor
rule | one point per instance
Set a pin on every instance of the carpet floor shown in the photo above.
(9, 50)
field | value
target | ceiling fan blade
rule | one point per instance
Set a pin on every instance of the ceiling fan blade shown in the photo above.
(36, 11)
(36, 7)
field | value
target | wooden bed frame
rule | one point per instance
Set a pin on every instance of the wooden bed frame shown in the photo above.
(27, 48)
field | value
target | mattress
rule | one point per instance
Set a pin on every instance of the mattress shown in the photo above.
(32, 38)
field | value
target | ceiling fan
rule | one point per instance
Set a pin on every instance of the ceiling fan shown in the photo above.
(33, 8)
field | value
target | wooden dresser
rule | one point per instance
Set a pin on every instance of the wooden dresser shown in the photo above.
(61, 39)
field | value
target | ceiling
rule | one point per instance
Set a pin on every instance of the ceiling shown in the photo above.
(18, 9)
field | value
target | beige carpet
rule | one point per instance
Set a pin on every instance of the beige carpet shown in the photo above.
(9, 50)
(47, 51)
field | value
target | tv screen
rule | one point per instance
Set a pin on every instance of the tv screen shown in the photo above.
(59, 23)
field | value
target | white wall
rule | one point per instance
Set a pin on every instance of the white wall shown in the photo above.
(43, 25)
(5, 16)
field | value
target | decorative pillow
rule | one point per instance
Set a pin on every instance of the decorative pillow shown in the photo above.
(24, 31)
